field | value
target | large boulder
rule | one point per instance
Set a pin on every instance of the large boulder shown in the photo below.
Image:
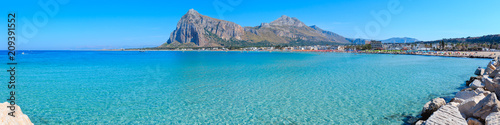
(471, 79)
(447, 114)
(466, 94)
(19, 119)
(484, 107)
(476, 84)
(496, 79)
(489, 84)
(473, 121)
(432, 106)
(466, 106)
(493, 119)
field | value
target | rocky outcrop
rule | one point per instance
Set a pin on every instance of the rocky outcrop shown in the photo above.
(432, 106)
(447, 114)
(19, 119)
(203, 30)
(196, 30)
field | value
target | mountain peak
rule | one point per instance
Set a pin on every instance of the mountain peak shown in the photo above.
(287, 21)
(192, 12)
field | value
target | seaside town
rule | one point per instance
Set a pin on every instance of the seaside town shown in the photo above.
(471, 50)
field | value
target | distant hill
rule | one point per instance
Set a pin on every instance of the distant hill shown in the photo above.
(357, 41)
(481, 39)
(400, 40)
(196, 30)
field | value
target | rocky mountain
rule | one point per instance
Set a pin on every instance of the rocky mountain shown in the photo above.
(196, 30)
(400, 40)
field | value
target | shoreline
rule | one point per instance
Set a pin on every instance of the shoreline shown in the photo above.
(477, 104)
(456, 54)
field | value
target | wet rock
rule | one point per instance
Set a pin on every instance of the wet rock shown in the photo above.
(482, 91)
(447, 114)
(484, 107)
(479, 71)
(473, 121)
(493, 119)
(432, 106)
(19, 119)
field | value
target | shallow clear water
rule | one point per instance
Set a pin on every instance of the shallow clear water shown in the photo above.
(78, 87)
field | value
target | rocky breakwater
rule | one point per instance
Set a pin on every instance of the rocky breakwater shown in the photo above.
(476, 105)
(19, 119)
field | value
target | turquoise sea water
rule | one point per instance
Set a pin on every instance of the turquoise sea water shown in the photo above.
(89, 87)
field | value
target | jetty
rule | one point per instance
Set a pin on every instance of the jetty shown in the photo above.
(478, 104)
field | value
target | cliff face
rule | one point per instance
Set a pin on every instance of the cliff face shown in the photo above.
(203, 31)
(197, 30)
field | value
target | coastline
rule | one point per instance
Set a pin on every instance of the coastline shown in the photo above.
(460, 54)
(478, 104)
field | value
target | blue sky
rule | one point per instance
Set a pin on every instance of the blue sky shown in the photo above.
(97, 24)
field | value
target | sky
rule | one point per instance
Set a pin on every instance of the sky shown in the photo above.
(114, 24)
